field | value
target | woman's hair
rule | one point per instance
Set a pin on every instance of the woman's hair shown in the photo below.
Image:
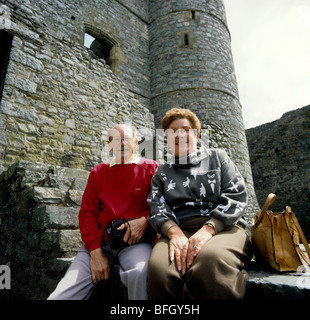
(176, 113)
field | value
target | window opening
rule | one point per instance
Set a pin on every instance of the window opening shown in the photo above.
(193, 14)
(6, 45)
(99, 47)
(186, 43)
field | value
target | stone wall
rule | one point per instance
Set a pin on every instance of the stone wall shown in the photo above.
(39, 232)
(280, 160)
(58, 99)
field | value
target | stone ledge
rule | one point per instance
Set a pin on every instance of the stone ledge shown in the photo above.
(265, 284)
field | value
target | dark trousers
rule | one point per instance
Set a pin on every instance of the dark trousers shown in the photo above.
(216, 273)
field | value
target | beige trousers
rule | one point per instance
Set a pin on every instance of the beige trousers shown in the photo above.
(216, 273)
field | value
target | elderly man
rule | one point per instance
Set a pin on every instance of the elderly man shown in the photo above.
(115, 190)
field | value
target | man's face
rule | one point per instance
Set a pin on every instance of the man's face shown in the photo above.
(122, 143)
(181, 137)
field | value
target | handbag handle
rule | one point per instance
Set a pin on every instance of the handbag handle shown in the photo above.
(269, 201)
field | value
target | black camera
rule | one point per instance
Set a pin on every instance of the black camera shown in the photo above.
(116, 236)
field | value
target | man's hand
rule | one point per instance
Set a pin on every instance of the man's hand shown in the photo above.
(99, 266)
(135, 231)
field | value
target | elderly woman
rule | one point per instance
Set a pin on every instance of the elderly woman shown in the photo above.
(197, 203)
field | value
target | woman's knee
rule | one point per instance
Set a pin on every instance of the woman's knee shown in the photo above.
(157, 266)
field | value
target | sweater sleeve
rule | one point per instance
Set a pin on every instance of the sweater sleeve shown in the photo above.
(160, 212)
(233, 198)
(90, 233)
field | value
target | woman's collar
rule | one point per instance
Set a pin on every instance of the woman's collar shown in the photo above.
(193, 158)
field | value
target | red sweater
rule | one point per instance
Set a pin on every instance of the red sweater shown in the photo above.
(112, 193)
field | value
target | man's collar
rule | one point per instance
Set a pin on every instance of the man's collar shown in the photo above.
(133, 159)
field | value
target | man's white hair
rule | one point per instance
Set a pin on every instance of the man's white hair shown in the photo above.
(131, 127)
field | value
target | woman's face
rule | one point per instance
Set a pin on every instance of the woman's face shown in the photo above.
(181, 137)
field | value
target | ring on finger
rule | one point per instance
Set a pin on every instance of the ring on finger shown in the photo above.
(195, 247)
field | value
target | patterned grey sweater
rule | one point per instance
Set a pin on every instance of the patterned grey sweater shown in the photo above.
(206, 183)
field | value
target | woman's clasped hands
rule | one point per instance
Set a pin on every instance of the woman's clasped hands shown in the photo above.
(184, 250)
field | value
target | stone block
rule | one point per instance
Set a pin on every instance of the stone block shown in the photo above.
(22, 84)
(33, 239)
(32, 178)
(70, 240)
(79, 184)
(26, 59)
(66, 183)
(63, 183)
(23, 165)
(23, 254)
(44, 195)
(61, 240)
(50, 240)
(76, 196)
(55, 217)
(71, 172)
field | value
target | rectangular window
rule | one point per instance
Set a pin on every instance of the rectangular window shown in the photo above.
(186, 43)
(5, 49)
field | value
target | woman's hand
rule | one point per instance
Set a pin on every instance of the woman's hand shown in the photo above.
(178, 246)
(185, 250)
(197, 241)
(135, 230)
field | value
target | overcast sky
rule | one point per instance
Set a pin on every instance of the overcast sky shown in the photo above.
(271, 50)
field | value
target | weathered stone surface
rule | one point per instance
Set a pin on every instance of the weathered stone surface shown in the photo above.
(61, 240)
(44, 195)
(39, 230)
(28, 166)
(76, 196)
(264, 284)
(280, 159)
(70, 240)
(55, 217)
(71, 173)
(32, 178)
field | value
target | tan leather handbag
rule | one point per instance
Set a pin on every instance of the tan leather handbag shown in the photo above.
(275, 237)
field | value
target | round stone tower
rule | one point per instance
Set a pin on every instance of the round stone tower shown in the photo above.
(192, 67)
